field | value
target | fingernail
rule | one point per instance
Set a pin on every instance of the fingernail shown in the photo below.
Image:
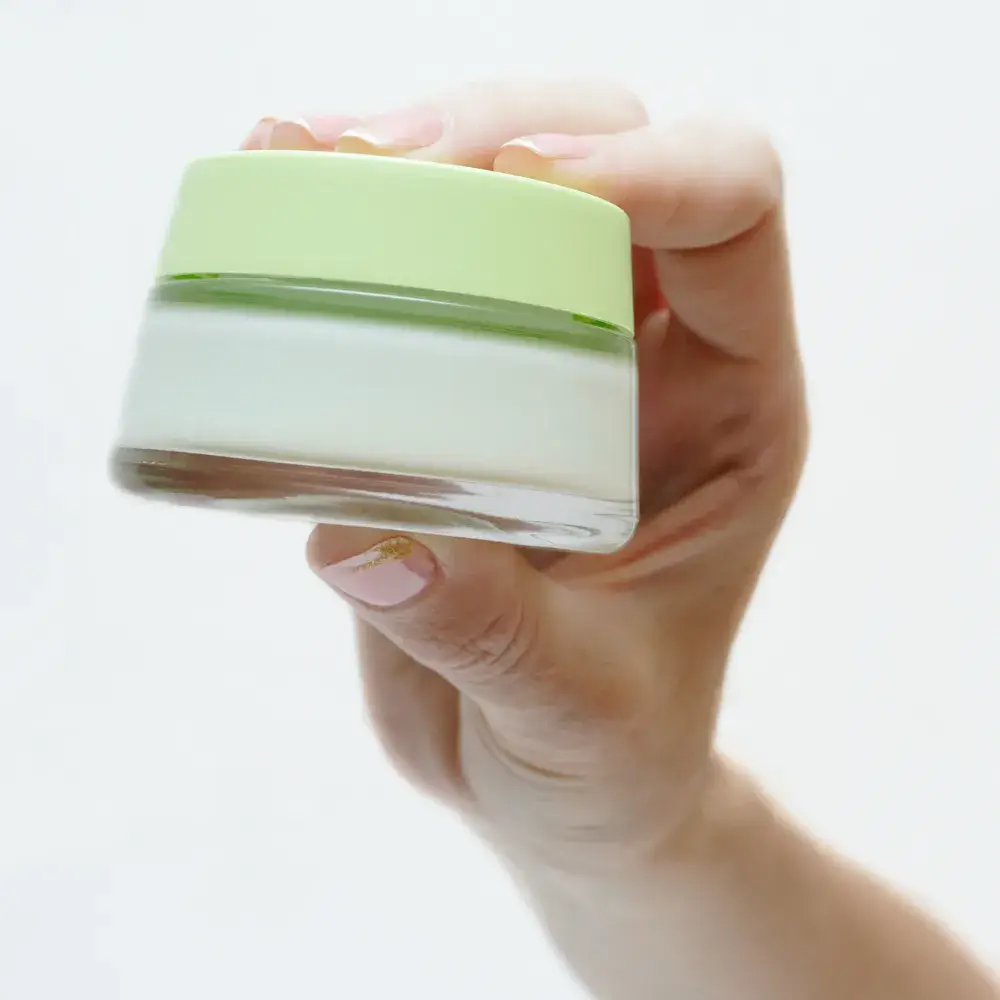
(327, 129)
(556, 146)
(259, 134)
(392, 572)
(400, 131)
(291, 135)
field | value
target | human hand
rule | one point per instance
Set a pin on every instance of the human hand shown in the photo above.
(566, 704)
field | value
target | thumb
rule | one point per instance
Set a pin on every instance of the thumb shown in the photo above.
(480, 616)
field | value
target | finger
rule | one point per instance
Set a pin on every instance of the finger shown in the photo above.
(415, 714)
(480, 617)
(317, 132)
(469, 125)
(706, 198)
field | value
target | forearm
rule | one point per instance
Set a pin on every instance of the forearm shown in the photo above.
(743, 906)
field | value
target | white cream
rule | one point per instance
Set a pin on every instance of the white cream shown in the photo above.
(377, 395)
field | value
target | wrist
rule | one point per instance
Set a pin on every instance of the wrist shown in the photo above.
(632, 873)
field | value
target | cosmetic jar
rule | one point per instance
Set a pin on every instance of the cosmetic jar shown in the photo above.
(380, 341)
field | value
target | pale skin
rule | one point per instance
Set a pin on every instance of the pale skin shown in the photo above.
(565, 705)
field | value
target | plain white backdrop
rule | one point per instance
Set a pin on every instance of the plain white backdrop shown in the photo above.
(191, 804)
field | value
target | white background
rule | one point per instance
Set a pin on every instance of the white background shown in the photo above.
(190, 802)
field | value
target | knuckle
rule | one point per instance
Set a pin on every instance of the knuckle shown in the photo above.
(754, 177)
(752, 153)
(760, 174)
(635, 108)
(496, 650)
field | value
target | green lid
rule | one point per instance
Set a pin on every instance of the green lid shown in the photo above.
(391, 221)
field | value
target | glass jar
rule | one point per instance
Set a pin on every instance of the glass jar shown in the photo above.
(378, 341)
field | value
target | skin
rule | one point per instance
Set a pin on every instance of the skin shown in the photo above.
(565, 705)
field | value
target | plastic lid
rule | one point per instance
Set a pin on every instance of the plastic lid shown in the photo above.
(390, 221)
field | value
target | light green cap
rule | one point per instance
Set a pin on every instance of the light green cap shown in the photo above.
(390, 221)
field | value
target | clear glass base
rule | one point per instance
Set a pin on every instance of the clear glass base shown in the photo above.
(517, 515)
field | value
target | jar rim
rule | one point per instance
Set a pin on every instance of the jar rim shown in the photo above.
(402, 307)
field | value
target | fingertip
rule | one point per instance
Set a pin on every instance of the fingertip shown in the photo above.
(371, 567)
(259, 134)
(360, 142)
(534, 154)
(332, 550)
(329, 544)
(328, 129)
(396, 133)
(315, 132)
(292, 135)
(560, 159)
(520, 159)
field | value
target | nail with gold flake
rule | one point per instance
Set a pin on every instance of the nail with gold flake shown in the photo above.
(394, 571)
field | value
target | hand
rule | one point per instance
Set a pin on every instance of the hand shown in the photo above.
(566, 704)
